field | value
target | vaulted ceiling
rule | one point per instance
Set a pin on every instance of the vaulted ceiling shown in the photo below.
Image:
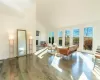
(15, 7)
(61, 13)
(54, 13)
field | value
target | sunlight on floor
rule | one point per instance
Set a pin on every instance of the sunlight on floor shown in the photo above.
(55, 63)
(71, 77)
(90, 65)
(96, 72)
(83, 77)
(76, 65)
(77, 57)
(88, 62)
(41, 55)
(38, 52)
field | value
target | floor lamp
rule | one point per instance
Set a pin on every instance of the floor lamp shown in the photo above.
(30, 45)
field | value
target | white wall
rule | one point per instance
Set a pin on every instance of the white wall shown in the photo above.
(96, 37)
(43, 32)
(96, 34)
(11, 20)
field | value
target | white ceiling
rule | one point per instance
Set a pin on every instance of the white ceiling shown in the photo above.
(17, 4)
(55, 13)
(61, 13)
(15, 7)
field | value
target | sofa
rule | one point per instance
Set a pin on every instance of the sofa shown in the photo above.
(67, 51)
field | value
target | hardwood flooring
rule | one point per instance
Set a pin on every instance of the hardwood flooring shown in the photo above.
(45, 66)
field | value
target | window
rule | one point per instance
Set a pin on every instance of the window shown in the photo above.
(60, 37)
(76, 37)
(88, 38)
(51, 37)
(67, 38)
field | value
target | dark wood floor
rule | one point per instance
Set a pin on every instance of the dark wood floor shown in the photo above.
(45, 66)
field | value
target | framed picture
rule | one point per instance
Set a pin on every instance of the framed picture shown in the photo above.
(37, 33)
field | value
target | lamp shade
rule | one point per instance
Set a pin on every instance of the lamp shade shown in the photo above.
(11, 37)
(30, 37)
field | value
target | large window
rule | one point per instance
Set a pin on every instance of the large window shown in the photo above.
(51, 37)
(76, 37)
(88, 38)
(60, 33)
(67, 38)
